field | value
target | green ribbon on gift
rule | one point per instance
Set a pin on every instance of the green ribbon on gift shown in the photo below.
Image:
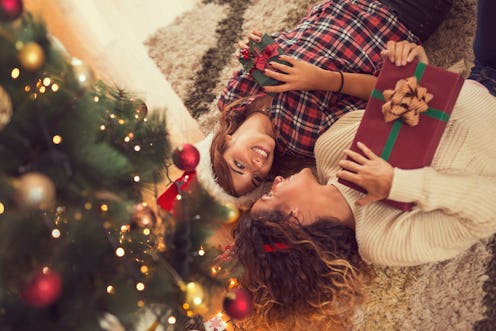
(398, 123)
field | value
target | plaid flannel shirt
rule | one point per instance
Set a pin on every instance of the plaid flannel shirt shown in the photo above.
(338, 35)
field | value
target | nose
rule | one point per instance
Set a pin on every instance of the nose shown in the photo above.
(277, 180)
(256, 160)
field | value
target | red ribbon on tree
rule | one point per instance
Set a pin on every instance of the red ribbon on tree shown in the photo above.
(168, 199)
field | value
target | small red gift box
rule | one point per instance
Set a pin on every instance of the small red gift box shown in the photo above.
(258, 58)
(404, 146)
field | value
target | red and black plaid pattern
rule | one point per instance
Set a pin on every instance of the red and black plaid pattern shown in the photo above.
(344, 35)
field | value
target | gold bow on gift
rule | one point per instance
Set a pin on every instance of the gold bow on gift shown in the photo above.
(407, 100)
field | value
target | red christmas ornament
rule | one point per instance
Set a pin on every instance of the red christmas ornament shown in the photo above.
(186, 157)
(43, 289)
(238, 304)
(10, 9)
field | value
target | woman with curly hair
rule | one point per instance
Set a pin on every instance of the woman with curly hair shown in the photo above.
(299, 274)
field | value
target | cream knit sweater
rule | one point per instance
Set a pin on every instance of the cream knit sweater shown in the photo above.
(455, 197)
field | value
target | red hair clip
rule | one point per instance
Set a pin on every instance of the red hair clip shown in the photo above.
(270, 248)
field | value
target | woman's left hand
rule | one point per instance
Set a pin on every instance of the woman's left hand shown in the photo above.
(369, 172)
(299, 75)
(403, 52)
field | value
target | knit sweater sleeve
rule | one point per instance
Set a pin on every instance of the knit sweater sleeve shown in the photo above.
(453, 212)
(456, 194)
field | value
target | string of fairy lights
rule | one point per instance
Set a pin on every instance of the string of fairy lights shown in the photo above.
(37, 191)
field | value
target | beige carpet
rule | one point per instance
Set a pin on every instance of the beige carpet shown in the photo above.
(195, 54)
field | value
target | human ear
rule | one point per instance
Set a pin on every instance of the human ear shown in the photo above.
(229, 137)
(297, 213)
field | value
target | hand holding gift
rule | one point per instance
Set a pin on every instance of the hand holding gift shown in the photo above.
(403, 52)
(258, 53)
(368, 171)
(243, 44)
(299, 75)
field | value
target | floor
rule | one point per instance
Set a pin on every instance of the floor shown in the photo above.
(108, 35)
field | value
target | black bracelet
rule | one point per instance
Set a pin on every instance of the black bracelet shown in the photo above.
(342, 82)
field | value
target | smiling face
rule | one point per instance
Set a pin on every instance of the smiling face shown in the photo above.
(249, 156)
(287, 194)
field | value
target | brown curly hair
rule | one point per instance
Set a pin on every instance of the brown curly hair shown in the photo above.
(319, 278)
(231, 119)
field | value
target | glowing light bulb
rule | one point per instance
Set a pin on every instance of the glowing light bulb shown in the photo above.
(120, 252)
(56, 233)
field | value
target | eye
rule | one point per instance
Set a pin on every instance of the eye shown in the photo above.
(239, 164)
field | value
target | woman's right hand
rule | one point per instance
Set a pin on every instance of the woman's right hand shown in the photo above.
(255, 35)
(403, 52)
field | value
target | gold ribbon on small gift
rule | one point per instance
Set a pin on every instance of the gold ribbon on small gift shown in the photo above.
(407, 101)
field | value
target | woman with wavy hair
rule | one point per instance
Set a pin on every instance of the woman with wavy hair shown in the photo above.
(299, 275)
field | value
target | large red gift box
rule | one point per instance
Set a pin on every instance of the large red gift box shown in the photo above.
(404, 146)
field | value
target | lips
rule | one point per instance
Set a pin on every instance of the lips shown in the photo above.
(261, 151)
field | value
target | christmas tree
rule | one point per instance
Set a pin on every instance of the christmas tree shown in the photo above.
(78, 241)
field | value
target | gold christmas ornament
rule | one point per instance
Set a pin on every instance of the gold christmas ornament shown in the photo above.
(31, 56)
(83, 73)
(5, 108)
(195, 297)
(231, 212)
(35, 190)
